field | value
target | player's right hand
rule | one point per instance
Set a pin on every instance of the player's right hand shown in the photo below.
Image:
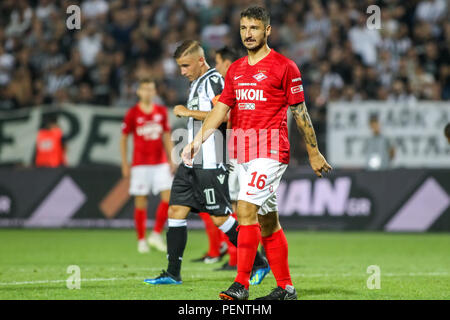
(126, 170)
(189, 153)
(180, 111)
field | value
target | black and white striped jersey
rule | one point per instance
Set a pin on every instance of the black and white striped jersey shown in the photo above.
(201, 95)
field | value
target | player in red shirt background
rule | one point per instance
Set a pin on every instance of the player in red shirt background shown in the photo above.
(259, 88)
(152, 168)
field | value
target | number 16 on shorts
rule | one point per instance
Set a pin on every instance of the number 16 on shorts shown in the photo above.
(260, 179)
(260, 182)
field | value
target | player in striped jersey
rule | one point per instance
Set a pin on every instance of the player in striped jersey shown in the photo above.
(202, 187)
(204, 91)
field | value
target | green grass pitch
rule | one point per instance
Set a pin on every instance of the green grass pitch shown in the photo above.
(324, 265)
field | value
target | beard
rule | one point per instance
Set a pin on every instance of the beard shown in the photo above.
(258, 46)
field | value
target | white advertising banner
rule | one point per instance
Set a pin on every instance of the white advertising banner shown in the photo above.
(92, 133)
(416, 132)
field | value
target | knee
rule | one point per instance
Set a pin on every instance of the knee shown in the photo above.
(140, 202)
(165, 195)
(175, 212)
(219, 220)
(247, 213)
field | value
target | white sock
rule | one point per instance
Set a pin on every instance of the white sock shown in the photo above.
(177, 222)
(227, 225)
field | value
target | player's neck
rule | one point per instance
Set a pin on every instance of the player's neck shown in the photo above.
(204, 69)
(256, 56)
(146, 107)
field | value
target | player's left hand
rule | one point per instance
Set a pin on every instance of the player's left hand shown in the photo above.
(189, 153)
(319, 164)
(230, 167)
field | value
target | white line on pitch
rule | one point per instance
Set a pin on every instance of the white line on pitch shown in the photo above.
(61, 281)
(411, 274)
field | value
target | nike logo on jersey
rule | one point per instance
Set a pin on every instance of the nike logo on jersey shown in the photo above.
(237, 77)
(221, 178)
(251, 194)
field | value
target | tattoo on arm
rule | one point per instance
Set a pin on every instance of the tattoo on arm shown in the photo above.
(304, 123)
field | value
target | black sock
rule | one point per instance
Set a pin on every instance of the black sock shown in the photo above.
(260, 261)
(176, 242)
(232, 234)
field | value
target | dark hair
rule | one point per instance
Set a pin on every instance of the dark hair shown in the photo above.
(227, 53)
(187, 47)
(447, 130)
(49, 118)
(257, 13)
(147, 80)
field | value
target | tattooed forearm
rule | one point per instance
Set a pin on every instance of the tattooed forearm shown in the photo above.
(304, 124)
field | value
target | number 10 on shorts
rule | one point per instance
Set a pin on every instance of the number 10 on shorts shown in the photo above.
(210, 196)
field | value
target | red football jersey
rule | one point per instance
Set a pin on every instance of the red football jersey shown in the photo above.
(260, 95)
(147, 129)
(49, 148)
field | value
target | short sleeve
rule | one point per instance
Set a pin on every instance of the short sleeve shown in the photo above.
(216, 85)
(128, 123)
(293, 84)
(228, 97)
(215, 88)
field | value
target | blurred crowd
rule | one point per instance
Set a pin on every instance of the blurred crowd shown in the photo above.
(42, 61)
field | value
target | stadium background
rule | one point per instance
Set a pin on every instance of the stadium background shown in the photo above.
(88, 76)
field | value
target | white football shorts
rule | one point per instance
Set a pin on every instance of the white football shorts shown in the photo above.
(233, 180)
(259, 180)
(146, 178)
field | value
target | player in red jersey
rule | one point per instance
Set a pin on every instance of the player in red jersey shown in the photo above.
(259, 88)
(224, 58)
(152, 168)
